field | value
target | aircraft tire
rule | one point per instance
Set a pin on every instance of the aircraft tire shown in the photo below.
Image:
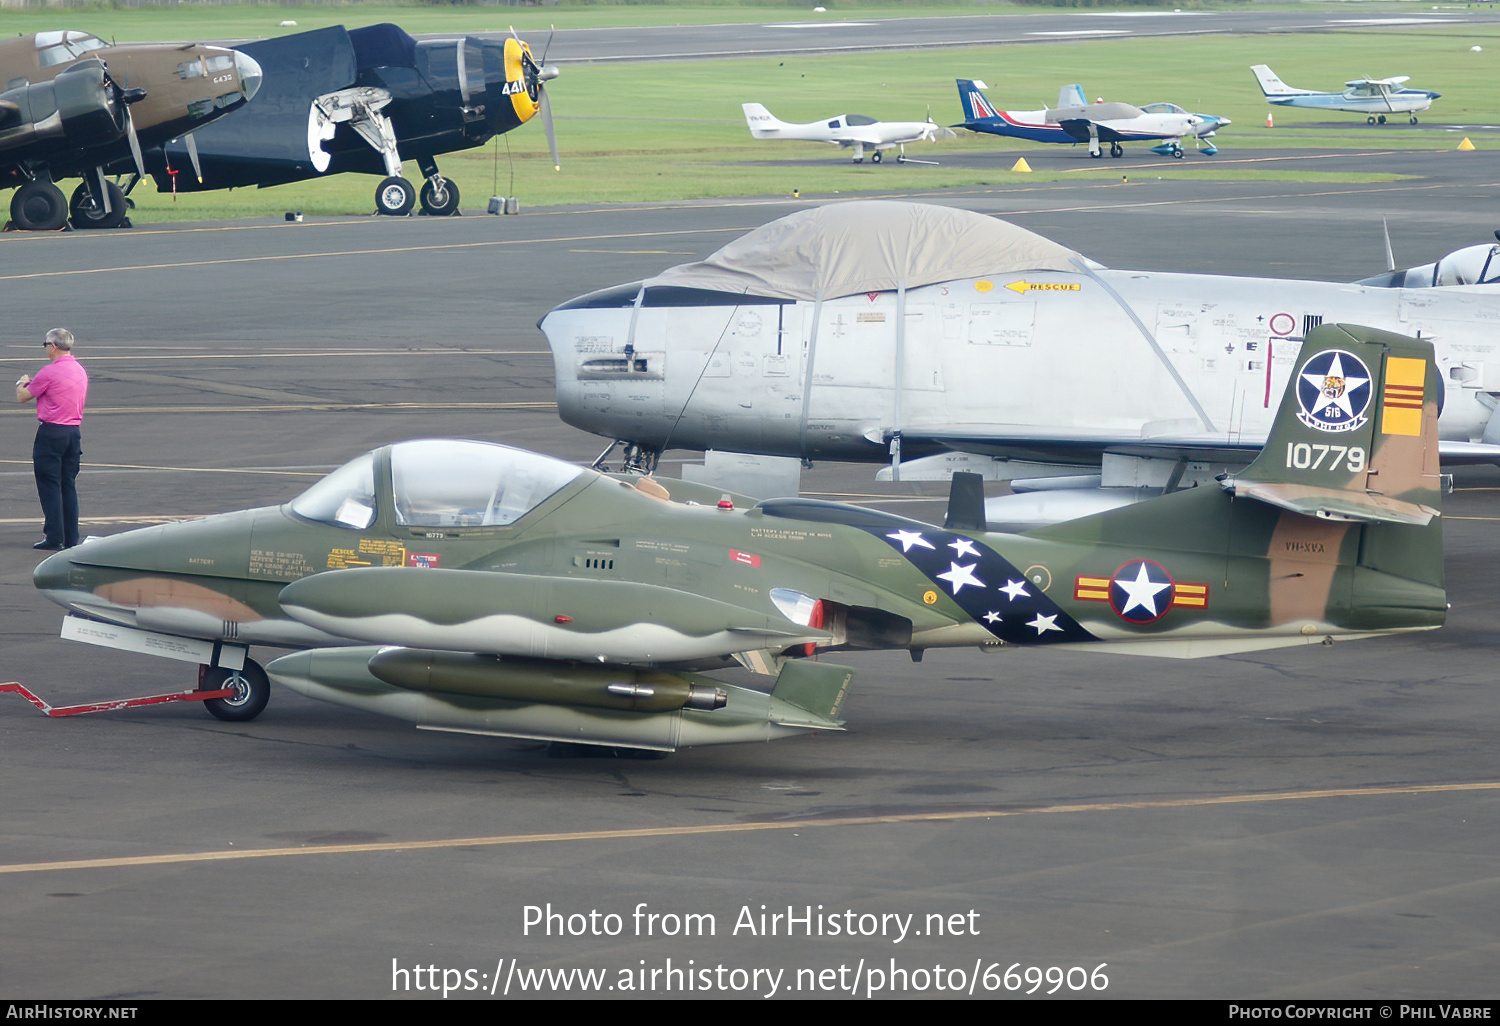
(395, 197)
(39, 206)
(1381, 119)
(1116, 150)
(253, 689)
(86, 214)
(1414, 119)
(1177, 153)
(1370, 120)
(440, 204)
(876, 158)
(1097, 155)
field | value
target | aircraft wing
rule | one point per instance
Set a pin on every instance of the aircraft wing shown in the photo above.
(1086, 448)
(534, 616)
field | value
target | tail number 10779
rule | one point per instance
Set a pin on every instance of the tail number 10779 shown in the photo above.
(1306, 456)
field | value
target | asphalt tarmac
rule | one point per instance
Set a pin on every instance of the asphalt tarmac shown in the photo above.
(1309, 823)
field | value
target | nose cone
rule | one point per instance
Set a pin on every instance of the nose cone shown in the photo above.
(249, 72)
(52, 575)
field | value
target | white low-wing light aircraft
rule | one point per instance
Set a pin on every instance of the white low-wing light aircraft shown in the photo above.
(1075, 120)
(885, 331)
(847, 130)
(1373, 97)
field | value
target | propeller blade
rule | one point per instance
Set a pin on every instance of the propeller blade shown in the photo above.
(551, 132)
(135, 144)
(192, 148)
(549, 45)
(1390, 257)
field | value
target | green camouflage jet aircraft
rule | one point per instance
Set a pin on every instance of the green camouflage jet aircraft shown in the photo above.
(502, 592)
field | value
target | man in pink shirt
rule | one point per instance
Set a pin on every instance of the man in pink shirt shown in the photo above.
(59, 389)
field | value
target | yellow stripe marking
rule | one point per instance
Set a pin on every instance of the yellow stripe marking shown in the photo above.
(174, 858)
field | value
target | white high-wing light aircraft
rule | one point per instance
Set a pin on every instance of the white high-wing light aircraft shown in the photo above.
(883, 331)
(847, 130)
(1373, 97)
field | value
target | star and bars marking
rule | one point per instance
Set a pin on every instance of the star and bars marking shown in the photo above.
(1141, 591)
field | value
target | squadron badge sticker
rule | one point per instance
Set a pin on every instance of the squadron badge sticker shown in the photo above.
(1333, 391)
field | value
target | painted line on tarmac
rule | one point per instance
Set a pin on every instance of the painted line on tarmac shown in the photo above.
(320, 354)
(385, 251)
(740, 828)
(315, 407)
(278, 471)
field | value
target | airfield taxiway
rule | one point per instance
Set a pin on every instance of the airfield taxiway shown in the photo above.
(1317, 822)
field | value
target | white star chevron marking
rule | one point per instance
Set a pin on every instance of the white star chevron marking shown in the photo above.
(1141, 592)
(1044, 623)
(1015, 589)
(992, 617)
(964, 547)
(910, 538)
(958, 576)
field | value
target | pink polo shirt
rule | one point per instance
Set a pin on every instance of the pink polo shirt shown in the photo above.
(60, 389)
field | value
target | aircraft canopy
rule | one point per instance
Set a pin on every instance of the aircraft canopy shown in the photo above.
(868, 246)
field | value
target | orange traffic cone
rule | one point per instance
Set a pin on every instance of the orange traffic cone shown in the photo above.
(1269, 122)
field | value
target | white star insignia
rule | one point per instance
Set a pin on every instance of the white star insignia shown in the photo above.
(910, 538)
(1015, 589)
(1324, 400)
(1141, 592)
(964, 547)
(958, 576)
(992, 617)
(1044, 623)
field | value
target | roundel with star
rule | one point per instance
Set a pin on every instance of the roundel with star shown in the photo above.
(1141, 591)
(1333, 391)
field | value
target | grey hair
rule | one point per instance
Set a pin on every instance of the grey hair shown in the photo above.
(62, 338)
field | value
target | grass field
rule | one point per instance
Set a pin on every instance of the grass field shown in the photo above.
(674, 130)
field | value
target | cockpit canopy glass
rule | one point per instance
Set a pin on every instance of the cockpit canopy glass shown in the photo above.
(345, 498)
(449, 483)
(61, 47)
(439, 482)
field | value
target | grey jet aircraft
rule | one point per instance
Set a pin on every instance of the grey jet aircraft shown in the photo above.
(937, 339)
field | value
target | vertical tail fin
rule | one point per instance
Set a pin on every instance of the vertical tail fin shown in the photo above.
(1071, 96)
(976, 107)
(1356, 440)
(760, 120)
(1270, 84)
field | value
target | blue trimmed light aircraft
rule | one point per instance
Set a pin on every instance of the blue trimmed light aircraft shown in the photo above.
(1373, 97)
(1074, 120)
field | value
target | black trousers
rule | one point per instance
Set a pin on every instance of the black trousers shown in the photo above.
(55, 456)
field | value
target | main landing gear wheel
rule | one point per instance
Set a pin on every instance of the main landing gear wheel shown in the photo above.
(1381, 119)
(1096, 154)
(1116, 150)
(85, 209)
(1414, 119)
(1176, 152)
(439, 197)
(877, 158)
(252, 690)
(395, 197)
(39, 206)
(1370, 120)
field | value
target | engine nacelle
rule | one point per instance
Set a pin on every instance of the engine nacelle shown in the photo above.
(79, 105)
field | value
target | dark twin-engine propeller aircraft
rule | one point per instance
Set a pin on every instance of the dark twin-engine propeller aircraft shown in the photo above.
(74, 106)
(364, 100)
(471, 587)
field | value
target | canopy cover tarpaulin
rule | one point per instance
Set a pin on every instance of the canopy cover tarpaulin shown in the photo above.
(868, 246)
